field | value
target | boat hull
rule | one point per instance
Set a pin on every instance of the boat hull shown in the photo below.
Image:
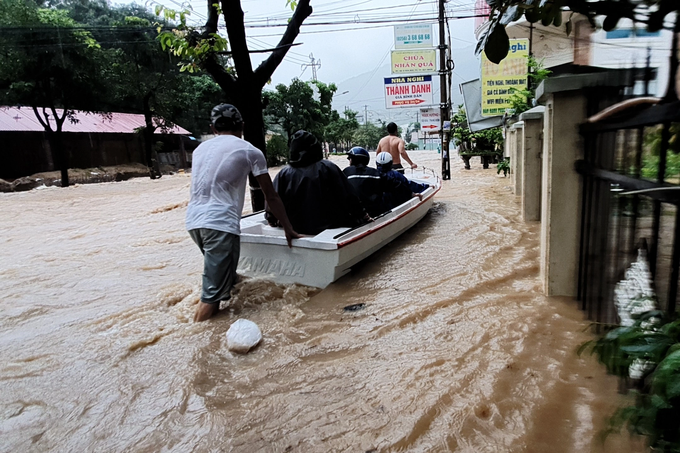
(320, 260)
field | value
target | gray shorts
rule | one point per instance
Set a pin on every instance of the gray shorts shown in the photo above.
(220, 258)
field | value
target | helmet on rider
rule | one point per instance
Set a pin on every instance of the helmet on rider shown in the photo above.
(358, 155)
(384, 162)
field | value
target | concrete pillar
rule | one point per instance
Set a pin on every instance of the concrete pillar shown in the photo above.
(509, 152)
(518, 147)
(561, 192)
(565, 103)
(532, 143)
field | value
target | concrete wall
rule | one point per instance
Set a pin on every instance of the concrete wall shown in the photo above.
(586, 46)
(532, 152)
(549, 44)
(518, 137)
(608, 51)
(509, 152)
(561, 194)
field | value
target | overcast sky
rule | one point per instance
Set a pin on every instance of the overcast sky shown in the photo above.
(351, 37)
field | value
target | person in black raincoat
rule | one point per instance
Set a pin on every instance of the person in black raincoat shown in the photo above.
(367, 182)
(315, 192)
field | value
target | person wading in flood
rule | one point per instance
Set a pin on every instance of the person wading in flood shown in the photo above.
(219, 171)
(395, 146)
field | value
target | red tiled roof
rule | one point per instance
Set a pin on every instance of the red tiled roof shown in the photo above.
(23, 119)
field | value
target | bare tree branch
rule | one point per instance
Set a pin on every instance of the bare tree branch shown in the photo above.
(228, 52)
(236, 30)
(226, 81)
(44, 124)
(213, 18)
(264, 72)
(211, 64)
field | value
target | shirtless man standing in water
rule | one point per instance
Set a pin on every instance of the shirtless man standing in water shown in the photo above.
(394, 145)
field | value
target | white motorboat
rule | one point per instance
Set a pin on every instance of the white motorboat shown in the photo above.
(322, 259)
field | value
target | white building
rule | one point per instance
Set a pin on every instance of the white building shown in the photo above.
(626, 47)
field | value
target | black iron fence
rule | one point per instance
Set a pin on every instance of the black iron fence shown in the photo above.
(633, 150)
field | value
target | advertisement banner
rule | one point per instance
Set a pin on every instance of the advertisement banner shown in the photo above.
(408, 91)
(414, 61)
(498, 80)
(430, 120)
(412, 36)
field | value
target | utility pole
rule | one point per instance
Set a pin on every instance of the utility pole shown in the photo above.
(648, 70)
(365, 114)
(443, 103)
(531, 54)
(314, 64)
(418, 130)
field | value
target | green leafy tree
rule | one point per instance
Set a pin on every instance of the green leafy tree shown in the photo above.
(412, 127)
(231, 66)
(341, 130)
(489, 139)
(197, 94)
(277, 150)
(143, 80)
(301, 105)
(49, 63)
(132, 32)
(368, 135)
(522, 100)
(651, 150)
(141, 77)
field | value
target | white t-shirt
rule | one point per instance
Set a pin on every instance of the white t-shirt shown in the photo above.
(219, 171)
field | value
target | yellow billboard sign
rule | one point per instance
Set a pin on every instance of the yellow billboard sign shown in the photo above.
(414, 61)
(498, 80)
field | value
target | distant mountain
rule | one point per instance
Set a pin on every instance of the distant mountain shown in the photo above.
(366, 91)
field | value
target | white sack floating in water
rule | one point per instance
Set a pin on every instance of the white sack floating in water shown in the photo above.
(243, 335)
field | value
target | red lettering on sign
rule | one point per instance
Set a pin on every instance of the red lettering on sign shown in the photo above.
(392, 91)
(417, 89)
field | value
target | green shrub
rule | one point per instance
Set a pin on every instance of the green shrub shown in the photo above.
(649, 352)
(503, 166)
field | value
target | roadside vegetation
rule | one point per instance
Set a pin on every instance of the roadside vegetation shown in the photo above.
(646, 356)
(60, 56)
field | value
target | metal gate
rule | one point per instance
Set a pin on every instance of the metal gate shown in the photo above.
(632, 150)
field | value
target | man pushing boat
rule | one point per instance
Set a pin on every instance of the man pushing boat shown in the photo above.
(219, 171)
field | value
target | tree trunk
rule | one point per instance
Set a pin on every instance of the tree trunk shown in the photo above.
(249, 104)
(59, 155)
(246, 89)
(147, 135)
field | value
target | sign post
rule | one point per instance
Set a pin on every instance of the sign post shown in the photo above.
(414, 61)
(408, 91)
(499, 81)
(412, 36)
(443, 103)
(430, 120)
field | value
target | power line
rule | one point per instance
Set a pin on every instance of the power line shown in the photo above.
(349, 12)
(381, 61)
(367, 27)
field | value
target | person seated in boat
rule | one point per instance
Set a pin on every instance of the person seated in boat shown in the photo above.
(366, 181)
(398, 189)
(315, 192)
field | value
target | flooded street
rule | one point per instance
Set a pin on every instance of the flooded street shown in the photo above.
(455, 350)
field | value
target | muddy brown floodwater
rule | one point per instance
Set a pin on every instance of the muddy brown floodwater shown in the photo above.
(455, 350)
